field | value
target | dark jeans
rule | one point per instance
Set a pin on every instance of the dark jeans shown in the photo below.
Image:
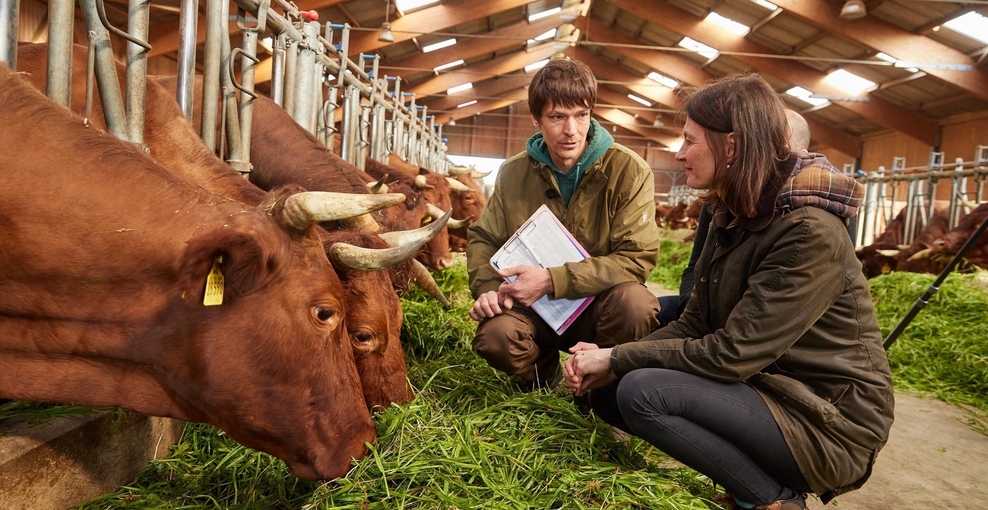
(724, 431)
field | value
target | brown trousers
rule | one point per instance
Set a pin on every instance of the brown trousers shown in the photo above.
(521, 344)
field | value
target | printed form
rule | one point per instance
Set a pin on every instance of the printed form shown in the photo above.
(542, 241)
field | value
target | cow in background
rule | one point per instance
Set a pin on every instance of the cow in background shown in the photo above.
(434, 188)
(103, 271)
(175, 144)
(468, 200)
(934, 249)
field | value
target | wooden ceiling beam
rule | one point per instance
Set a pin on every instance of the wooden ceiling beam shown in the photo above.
(642, 124)
(466, 48)
(438, 18)
(483, 106)
(876, 109)
(487, 88)
(489, 69)
(883, 36)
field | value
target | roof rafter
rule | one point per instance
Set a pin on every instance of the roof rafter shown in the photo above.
(876, 109)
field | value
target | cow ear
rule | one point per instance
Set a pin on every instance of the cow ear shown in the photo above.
(240, 258)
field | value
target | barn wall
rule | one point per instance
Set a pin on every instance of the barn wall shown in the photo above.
(836, 157)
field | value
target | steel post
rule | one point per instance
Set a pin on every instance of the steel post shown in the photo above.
(187, 41)
(137, 69)
(106, 71)
(61, 21)
(9, 10)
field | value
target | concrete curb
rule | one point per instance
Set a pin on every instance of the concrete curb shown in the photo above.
(73, 459)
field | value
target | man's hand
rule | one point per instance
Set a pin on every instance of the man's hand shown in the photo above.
(489, 304)
(589, 367)
(532, 283)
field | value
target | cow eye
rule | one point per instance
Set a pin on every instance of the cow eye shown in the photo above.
(323, 314)
(363, 336)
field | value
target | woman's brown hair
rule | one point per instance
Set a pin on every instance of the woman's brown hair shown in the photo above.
(562, 82)
(748, 107)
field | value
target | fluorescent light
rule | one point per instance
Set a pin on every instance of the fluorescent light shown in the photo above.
(439, 45)
(447, 66)
(728, 24)
(468, 103)
(459, 88)
(894, 61)
(545, 35)
(804, 95)
(698, 47)
(972, 24)
(266, 43)
(678, 144)
(663, 80)
(849, 82)
(637, 99)
(544, 14)
(407, 5)
(768, 5)
(537, 65)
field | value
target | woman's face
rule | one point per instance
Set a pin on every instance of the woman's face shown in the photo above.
(698, 156)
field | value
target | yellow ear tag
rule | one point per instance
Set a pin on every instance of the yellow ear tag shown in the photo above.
(214, 285)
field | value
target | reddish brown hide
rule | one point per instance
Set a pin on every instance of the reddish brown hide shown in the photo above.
(176, 145)
(102, 273)
(466, 205)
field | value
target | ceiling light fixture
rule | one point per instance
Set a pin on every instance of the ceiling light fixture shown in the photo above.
(853, 9)
(385, 35)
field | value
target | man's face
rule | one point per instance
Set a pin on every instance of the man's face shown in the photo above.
(564, 130)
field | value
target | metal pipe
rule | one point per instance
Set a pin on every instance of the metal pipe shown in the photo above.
(278, 70)
(9, 10)
(187, 41)
(306, 74)
(106, 71)
(216, 18)
(234, 139)
(138, 17)
(61, 21)
(291, 74)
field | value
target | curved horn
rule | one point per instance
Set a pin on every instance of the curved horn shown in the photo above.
(969, 204)
(379, 186)
(434, 212)
(421, 183)
(358, 258)
(921, 254)
(456, 185)
(476, 174)
(305, 209)
(455, 224)
(419, 236)
(888, 253)
(423, 278)
(460, 170)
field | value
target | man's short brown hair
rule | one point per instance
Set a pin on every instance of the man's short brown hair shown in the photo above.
(562, 82)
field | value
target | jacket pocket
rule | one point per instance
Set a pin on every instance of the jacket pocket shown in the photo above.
(797, 395)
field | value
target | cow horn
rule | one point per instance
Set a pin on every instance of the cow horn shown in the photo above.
(304, 209)
(423, 278)
(969, 204)
(921, 254)
(363, 223)
(476, 174)
(460, 170)
(421, 183)
(456, 185)
(379, 186)
(455, 224)
(888, 253)
(358, 258)
(419, 236)
(434, 212)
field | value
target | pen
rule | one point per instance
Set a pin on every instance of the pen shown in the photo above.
(532, 252)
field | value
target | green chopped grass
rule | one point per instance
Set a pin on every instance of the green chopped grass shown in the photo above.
(673, 257)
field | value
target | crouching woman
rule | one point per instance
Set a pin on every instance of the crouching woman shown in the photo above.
(774, 382)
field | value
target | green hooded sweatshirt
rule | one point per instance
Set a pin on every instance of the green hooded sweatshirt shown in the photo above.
(598, 141)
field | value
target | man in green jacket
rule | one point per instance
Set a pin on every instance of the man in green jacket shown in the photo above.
(602, 192)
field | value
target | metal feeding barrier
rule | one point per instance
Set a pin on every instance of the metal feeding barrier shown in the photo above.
(313, 77)
(915, 190)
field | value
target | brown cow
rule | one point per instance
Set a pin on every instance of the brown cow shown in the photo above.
(102, 276)
(938, 226)
(939, 248)
(176, 145)
(468, 200)
(884, 254)
(435, 190)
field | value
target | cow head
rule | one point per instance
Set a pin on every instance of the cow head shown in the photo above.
(468, 201)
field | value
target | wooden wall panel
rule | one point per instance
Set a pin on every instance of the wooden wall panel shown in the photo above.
(836, 157)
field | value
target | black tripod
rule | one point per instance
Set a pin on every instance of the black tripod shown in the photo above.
(935, 286)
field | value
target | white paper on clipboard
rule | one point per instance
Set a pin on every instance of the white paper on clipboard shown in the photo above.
(542, 241)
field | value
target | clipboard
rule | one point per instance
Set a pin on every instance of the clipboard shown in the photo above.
(543, 241)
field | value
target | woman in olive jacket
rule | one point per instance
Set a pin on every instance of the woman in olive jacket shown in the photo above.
(774, 382)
